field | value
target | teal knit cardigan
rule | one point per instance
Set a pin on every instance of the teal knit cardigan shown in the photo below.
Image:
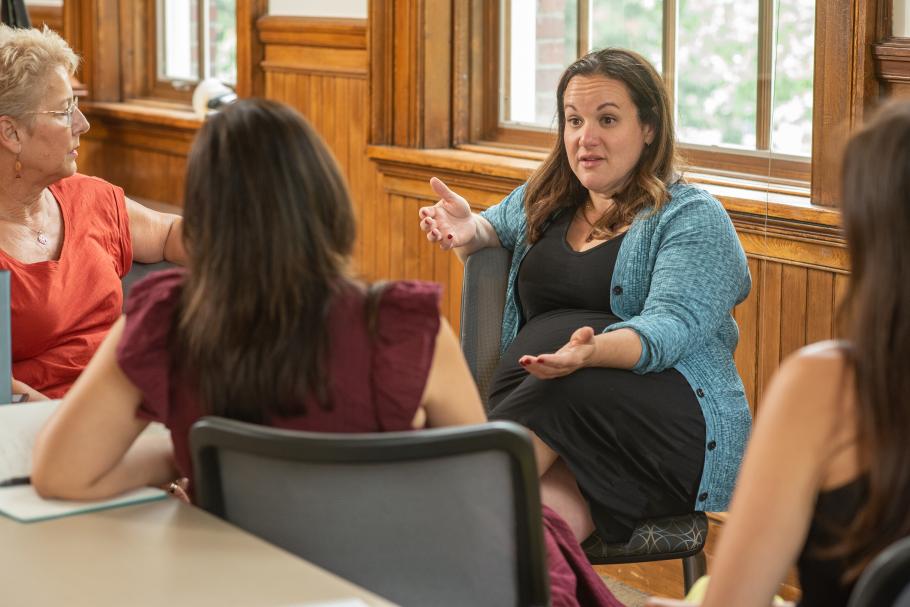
(678, 275)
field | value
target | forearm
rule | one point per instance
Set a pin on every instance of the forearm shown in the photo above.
(149, 461)
(620, 349)
(484, 237)
(23, 388)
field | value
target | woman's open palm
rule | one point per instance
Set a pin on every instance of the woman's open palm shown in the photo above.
(568, 359)
(450, 221)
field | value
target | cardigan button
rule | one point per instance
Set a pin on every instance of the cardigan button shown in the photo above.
(712, 446)
(703, 497)
(617, 290)
(700, 393)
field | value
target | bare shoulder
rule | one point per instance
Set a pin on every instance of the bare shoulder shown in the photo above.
(813, 385)
(819, 365)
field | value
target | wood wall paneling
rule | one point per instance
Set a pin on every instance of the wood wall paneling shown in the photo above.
(145, 155)
(320, 67)
(892, 66)
(51, 16)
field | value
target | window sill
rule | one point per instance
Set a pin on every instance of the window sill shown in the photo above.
(175, 116)
(741, 196)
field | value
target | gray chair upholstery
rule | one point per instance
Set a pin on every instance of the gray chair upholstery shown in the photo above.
(886, 581)
(482, 300)
(139, 271)
(483, 295)
(398, 513)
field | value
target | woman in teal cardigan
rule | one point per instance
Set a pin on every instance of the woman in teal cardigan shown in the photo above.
(617, 337)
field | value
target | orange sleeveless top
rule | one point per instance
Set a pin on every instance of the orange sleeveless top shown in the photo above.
(61, 310)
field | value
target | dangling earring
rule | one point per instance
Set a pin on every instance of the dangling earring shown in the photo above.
(18, 163)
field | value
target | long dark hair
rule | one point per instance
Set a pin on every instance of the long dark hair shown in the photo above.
(269, 228)
(554, 186)
(876, 216)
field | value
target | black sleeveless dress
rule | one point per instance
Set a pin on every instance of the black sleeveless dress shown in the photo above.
(820, 576)
(635, 443)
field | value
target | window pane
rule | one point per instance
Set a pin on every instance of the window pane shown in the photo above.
(542, 40)
(178, 46)
(223, 40)
(791, 112)
(632, 24)
(716, 73)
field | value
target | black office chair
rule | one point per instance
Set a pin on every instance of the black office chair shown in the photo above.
(886, 581)
(448, 516)
(482, 300)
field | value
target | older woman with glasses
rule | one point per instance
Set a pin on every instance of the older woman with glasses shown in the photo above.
(66, 239)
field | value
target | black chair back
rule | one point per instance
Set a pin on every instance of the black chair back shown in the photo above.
(448, 516)
(886, 581)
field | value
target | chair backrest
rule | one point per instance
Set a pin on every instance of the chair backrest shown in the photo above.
(886, 581)
(448, 516)
(483, 296)
(140, 270)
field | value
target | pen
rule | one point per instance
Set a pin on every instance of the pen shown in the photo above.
(16, 480)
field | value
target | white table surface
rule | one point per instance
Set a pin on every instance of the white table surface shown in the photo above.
(157, 554)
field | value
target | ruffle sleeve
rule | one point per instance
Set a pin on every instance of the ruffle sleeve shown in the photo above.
(407, 324)
(143, 352)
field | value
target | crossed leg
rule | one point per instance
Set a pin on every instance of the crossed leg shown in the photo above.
(559, 491)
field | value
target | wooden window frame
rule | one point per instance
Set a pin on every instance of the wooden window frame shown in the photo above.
(403, 54)
(120, 64)
(157, 88)
(760, 163)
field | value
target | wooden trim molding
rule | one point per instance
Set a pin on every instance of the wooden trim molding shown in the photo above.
(311, 45)
(844, 85)
(892, 65)
(250, 52)
(411, 73)
(313, 32)
(498, 174)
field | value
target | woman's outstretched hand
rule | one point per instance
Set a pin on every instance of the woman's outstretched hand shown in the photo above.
(450, 221)
(568, 359)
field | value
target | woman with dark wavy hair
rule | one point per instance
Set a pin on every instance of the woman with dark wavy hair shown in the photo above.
(617, 338)
(826, 479)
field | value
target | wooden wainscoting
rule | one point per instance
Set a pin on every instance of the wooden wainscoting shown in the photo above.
(320, 67)
(799, 275)
(142, 150)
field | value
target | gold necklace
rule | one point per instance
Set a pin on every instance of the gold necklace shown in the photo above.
(584, 215)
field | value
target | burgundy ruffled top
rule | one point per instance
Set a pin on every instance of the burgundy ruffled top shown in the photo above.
(376, 383)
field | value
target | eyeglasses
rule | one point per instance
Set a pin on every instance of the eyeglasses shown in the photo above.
(68, 112)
